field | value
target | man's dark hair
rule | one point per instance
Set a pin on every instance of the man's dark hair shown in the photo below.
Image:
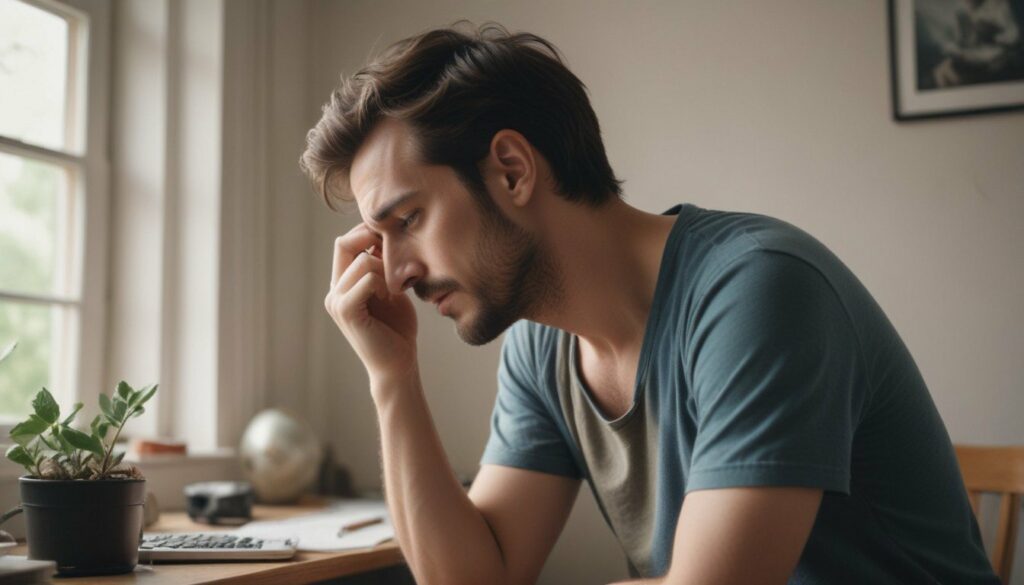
(456, 90)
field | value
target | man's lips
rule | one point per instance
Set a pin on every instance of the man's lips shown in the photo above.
(439, 302)
(434, 293)
(440, 298)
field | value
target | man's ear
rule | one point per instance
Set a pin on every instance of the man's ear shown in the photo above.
(512, 167)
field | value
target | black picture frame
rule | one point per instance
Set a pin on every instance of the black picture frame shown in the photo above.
(938, 52)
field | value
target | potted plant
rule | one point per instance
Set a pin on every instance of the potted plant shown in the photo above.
(83, 507)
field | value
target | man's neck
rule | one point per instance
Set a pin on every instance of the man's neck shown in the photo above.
(609, 259)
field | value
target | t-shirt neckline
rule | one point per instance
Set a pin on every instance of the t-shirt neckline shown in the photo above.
(684, 213)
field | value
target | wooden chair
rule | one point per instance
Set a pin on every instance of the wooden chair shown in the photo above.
(997, 470)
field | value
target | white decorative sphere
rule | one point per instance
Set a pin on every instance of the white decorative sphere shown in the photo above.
(280, 456)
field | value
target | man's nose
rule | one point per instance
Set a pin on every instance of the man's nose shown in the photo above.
(401, 271)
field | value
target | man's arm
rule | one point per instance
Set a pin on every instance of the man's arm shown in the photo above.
(499, 534)
(445, 538)
(527, 511)
(750, 535)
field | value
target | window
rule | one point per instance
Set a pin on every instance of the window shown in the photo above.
(47, 184)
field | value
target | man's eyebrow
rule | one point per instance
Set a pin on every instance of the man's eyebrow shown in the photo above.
(381, 214)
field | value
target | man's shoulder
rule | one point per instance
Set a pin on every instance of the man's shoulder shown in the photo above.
(716, 241)
(726, 235)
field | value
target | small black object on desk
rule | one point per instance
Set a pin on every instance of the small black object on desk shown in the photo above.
(220, 502)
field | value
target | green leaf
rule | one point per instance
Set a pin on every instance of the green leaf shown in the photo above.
(99, 427)
(71, 417)
(105, 405)
(6, 351)
(119, 410)
(19, 455)
(65, 446)
(24, 432)
(143, 396)
(117, 459)
(124, 390)
(47, 442)
(138, 411)
(81, 440)
(45, 406)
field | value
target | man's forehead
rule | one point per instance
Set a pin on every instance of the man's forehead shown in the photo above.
(384, 166)
(376, 205)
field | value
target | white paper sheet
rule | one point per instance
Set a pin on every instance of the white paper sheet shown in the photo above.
(318, 532)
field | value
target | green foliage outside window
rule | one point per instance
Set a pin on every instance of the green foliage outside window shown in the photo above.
(28, 204)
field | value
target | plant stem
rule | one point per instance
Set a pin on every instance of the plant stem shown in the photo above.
(34, 454)
(110, 449)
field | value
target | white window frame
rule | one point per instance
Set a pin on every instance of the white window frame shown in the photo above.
(189, 119)
(82, 343)
(210, 415)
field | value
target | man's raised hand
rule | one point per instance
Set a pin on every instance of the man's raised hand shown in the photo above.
(380, 326)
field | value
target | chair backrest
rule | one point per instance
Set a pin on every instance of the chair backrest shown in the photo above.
(998, 470)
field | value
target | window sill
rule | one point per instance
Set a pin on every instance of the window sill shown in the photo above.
(158, 463)
(217, 456)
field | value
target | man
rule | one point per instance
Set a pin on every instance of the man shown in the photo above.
(740, 406)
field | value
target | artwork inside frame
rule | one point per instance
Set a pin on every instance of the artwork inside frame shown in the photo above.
(956, 57)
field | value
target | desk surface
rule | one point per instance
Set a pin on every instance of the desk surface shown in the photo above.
(305, 567)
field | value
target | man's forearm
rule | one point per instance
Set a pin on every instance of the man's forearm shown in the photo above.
(442, 535)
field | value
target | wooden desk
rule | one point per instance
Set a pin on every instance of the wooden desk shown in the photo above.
(305, 567)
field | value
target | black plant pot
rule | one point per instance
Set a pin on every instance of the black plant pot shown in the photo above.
(87, 527)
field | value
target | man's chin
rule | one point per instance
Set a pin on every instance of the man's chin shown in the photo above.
(480, 330)
(473, 336)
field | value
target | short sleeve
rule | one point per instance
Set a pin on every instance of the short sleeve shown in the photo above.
(777, 378)
(524, 433)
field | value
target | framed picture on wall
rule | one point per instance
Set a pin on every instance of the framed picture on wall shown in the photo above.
(955, 57)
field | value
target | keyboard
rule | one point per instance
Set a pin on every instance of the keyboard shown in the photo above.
(213, 546)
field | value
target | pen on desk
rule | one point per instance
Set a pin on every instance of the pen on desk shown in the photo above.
(357, 525)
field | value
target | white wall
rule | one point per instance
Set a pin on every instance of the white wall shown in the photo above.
(781, 108)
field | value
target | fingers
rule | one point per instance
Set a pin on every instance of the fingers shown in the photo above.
(360, 280)
(345, 308)
(363, 264)
(371, 284)
(348, 246)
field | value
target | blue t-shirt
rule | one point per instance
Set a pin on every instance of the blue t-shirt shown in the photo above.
(765, 362)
